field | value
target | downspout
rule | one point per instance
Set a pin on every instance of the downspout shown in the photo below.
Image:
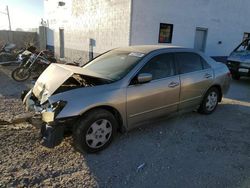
(130, 23)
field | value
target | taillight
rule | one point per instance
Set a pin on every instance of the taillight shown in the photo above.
(229, 74)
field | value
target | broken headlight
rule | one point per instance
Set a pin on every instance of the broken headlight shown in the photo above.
(58, 106)
(50, 113)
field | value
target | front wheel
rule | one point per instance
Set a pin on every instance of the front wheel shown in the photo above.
(95, 131)
(20, 74)
(210, 101)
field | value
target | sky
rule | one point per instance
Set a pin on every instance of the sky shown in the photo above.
(24, 14)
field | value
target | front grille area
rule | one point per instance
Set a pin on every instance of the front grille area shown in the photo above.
(35, 99)
(234, 64)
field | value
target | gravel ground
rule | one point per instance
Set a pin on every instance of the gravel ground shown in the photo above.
(188, 150)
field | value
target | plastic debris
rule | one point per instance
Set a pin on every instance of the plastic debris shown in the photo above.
(140, 167)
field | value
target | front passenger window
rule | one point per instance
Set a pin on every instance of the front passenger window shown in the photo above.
(160, 66)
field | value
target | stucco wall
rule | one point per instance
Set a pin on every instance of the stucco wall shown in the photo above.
(226, 22)
(105, 21)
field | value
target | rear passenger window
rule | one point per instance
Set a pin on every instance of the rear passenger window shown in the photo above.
(160, 66)
(205, 64)
(189, 62)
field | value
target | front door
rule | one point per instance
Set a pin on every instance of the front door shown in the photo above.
(200, 39)
(157, 97)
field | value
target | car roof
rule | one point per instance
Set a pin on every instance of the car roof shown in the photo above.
(149, 48)
(146, 49)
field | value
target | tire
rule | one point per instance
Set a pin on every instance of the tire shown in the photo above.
(20, 74)
(236, 76)
(210, 101)
(95, 131)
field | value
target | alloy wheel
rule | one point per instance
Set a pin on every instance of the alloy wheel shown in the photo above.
(212, 100)
(99, 133)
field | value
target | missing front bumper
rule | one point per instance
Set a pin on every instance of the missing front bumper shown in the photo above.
(52, 129)
(51, 135)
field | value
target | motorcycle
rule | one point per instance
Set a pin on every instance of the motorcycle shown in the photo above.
(24, 54)
(36, 63)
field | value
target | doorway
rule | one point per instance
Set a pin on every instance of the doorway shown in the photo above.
(61, 40)
(200, 39)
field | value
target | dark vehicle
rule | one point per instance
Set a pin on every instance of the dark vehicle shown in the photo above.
(239, 60)
(6, 53)
(7, 48)
(36, 63)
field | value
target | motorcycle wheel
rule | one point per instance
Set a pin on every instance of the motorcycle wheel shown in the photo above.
(20, 74)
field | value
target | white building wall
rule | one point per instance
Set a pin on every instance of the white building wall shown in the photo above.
(226, 21)
(105, 21)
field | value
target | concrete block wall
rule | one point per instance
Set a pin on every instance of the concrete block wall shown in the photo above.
(107, 22)
(42, 37)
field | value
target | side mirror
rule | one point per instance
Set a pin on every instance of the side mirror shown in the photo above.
(144, 78)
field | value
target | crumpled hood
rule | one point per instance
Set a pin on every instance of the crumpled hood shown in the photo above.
(240, 56)
(54, 76)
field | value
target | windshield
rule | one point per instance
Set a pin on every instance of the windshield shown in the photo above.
(115, 64)
(244, 46)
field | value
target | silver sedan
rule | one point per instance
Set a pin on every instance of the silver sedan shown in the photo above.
(121, 89)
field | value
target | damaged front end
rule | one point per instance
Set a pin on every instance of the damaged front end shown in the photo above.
(56, 79)
(52, 129)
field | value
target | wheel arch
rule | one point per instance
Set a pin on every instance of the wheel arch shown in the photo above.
(112, 110)
(217, 86)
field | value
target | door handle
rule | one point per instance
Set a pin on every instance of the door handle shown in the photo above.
(173, 84)
(207, 75)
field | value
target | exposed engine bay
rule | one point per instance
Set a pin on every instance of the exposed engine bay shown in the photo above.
(78, 81)
(73, 82)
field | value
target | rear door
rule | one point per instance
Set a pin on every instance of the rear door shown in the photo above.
(196, 76)
(157, 97)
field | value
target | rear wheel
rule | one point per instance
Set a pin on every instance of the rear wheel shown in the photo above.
(235, 76)
(20, 74)
(210, 101)
(95, 131)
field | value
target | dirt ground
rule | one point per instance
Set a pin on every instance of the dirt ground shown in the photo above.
(189, 150)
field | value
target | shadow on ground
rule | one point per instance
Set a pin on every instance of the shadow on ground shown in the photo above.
(189, 150)
(8, 86)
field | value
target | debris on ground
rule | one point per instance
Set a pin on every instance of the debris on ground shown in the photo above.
(140, 167)
(188, 150)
